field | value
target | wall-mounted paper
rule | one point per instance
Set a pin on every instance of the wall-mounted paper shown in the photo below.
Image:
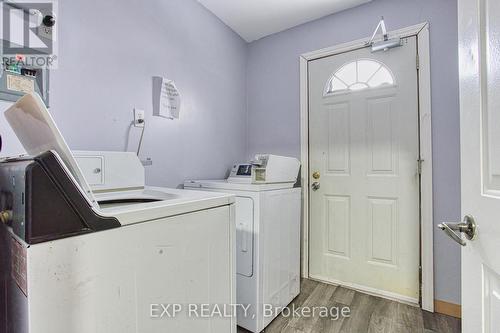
(166, 98)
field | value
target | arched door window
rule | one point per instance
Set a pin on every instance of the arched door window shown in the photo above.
(359, 75)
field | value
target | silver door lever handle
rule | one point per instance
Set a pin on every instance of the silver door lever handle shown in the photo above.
(449, 231)
(467, 227)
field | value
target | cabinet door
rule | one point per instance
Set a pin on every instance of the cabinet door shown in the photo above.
(92, 168)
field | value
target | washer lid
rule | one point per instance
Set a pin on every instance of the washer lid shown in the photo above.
(225, 185)
(38, 133)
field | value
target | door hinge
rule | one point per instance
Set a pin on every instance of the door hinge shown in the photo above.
(418, 62)
(419, 165)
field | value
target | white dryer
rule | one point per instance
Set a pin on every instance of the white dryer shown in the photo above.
(267, 245)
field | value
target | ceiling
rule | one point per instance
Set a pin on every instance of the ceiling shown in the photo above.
(254, 19)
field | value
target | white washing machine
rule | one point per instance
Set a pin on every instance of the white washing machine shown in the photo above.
(267, 245)
(86, 246)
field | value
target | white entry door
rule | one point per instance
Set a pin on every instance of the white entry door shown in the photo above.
(479, 47)
(364, 151)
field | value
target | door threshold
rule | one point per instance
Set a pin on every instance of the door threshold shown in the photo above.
(370, 291)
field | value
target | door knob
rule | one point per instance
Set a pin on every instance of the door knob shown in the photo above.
(5, 216)
(468, 227)
(315, 186)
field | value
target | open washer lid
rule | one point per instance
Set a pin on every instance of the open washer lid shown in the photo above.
(31, 121)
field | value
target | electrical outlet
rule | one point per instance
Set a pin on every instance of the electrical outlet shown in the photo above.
(138, 117)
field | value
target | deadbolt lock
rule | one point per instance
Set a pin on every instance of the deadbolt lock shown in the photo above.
(316, 175)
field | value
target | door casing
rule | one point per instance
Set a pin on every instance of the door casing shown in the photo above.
(421, 31)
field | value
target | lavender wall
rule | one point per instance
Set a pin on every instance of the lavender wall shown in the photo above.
(273, 100)
(106, 65)
(108, 52)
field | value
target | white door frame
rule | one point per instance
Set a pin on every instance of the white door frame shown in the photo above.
(421, 31)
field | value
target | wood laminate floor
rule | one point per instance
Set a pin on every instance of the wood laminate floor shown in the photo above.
(367, 314)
